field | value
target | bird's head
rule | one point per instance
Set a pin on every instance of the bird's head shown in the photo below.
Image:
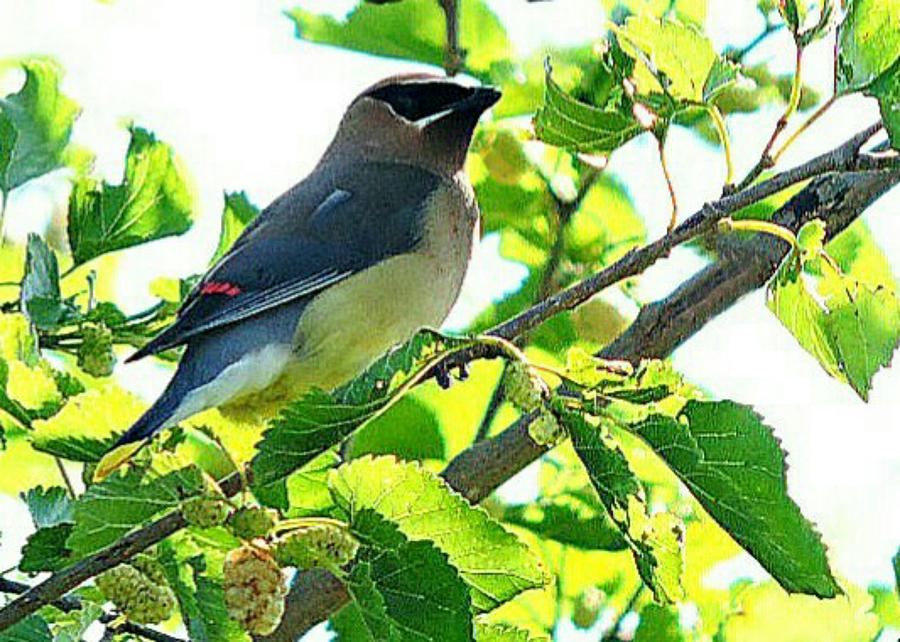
(420, 118)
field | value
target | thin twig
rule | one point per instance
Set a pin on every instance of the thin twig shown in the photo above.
(766, 160)
(806, 125)
(65, 476)
(476, 472)
(454, 56)
(673, 220)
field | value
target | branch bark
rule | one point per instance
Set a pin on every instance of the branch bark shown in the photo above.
(476, 472)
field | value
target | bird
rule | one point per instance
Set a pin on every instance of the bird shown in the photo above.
(351, 261)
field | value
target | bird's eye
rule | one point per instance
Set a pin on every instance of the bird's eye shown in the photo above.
(415, 101)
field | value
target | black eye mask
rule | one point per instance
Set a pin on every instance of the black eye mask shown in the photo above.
(414, 101)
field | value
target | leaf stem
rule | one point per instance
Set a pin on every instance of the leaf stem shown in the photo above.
(806, 125)
(65, 477)
(673, 220)
(722, 129)
(764, 227)
(766, 160)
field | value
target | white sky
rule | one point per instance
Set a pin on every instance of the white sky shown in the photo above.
(248, 106)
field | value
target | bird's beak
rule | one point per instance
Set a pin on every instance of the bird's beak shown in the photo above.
(480, 100)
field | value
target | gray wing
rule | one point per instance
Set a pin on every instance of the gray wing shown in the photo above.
(324, 230)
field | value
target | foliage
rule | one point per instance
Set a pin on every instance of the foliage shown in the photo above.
(654, 486)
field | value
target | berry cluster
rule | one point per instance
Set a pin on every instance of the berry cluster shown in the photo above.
(522, 386)
(249, 522)
(95, 354)
(587, 607)
(139, 590)
(254, 589)
(205, 511)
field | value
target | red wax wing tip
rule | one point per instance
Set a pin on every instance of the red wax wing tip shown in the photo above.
(220, 288)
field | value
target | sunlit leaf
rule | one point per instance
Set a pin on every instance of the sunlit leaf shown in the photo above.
(494, 564)
(40, 295)
(868, 43)
(412, 30)
(35, 126)
(655, 541)
(152, 201)
(386, 585)
(659, 624)
(733, 464)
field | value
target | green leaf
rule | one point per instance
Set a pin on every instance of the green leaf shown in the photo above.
(655, 541)
(410, 431)
(50, 506)
(386, 584)
(865, 332)
(71, 627)
(673, 58)
(238, 213)
(722, 75)
(412, 30)
(793, 13)
(733, 464)
(567, 122)
(152, 201)
(46, 549)
(886, 89)
(868, 43)
(492, 561)
(40, 295)
(30, 629)
(659, 624)
(568, 519)
(35, 126)
(125, 501)
(319, 420)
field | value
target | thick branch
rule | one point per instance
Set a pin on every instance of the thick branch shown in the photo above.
(476, 472)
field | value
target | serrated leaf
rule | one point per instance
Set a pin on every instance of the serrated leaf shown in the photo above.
(655, 541)
(567, 122)
(412, 30)
(46, 549)
(238, 213)
(35, 126)
(72, 626)
(492, 561)
(864, 332)
(733, 464)
(86, 427)
(868, 43)
(30, 629)
(49, 506)
(124, 501)
(387, 586)
(851, 327)
(671, 57)
(722, 74)
(319, 420)
(40, 295)
(152, 201)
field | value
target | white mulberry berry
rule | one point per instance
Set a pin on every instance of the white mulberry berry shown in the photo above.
(140, 598)
(522, 386)
(254, 589)
(545, 429)
(318, 544)
(587, 607)
(249, 522)
(205, 511)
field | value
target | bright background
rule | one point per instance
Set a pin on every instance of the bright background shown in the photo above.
(249, 107)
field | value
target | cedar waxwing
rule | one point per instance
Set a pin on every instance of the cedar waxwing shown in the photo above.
(348, 263)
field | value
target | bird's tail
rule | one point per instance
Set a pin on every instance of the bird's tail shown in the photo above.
(154, 419)
(151, 422)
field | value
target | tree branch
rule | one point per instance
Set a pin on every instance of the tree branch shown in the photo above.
(454, 56)
(476, 472)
